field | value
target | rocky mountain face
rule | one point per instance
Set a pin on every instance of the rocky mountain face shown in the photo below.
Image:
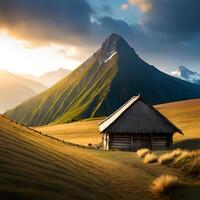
(103, 83)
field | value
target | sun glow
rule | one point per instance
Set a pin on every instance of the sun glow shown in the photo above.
(16, 57)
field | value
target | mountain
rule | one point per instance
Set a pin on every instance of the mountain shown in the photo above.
(186, 74)
(50, 78)
(100, 85)
(15, 89)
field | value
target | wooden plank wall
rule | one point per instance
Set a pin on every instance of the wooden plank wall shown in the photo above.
(122, 142)
(133, 142)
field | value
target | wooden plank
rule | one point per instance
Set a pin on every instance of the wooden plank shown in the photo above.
(132, 143)
(121, 142)
(157, 142)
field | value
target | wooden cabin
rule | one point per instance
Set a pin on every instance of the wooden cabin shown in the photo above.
(137, 125)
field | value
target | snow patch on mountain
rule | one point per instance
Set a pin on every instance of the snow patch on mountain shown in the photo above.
(186, 74)
(176, 73)
(110, 57)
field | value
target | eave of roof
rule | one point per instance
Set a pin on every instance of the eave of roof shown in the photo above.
(114, 116)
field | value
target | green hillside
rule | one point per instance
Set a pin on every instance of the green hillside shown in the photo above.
(100, 85)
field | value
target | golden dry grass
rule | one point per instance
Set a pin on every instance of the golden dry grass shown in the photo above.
(164, 184)
(184, 114)
(142, 152)
(169, 157)
(83, 132)
(150, 158)
(188, 161)
(36, 167)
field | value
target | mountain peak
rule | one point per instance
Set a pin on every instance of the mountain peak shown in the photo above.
(113, 43)
(115, 37)
(186, 74)
(184, 68)
(116, 44)
(101, 85)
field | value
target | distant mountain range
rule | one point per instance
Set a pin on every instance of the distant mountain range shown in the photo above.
(15, 89)
(186, 74)
(103, 83)
(50, 78)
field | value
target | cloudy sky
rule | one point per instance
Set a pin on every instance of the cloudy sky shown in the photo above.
(41, 35)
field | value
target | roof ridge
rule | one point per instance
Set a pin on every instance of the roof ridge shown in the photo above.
(134, 97)
(114, 116)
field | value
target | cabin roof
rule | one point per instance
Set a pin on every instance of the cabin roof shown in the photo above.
(136, 121)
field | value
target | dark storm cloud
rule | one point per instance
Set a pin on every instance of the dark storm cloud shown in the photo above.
(59, 21)
(177, 18)
(102, 27)
(170, 28)
(106, 9)
(108, 25)
(46, 20)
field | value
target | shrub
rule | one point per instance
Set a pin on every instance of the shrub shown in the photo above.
(185, 157)
(169, 157)
(142, 152)
(193, 168)
(164, 184)
(150, 158)
(189, 161)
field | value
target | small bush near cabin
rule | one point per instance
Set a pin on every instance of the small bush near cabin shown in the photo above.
(150, 158)
(189, 161)
(164, 184)
(169, 157)
(142, 152)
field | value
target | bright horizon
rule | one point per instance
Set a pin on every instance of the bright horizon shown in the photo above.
(17, 57)
(35, 41)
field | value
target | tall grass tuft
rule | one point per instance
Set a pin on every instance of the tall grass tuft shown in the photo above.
(189, 161)
(142, 152)
(169, 157)
(164, 184)
(150, 158)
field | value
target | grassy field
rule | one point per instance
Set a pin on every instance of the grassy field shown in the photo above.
(34, 166)
(185, 114)
(84, 132)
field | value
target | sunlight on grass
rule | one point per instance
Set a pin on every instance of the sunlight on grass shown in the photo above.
(169, 157)
(187, 161)
(150, 158)
(164, 184)
(142, 152)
